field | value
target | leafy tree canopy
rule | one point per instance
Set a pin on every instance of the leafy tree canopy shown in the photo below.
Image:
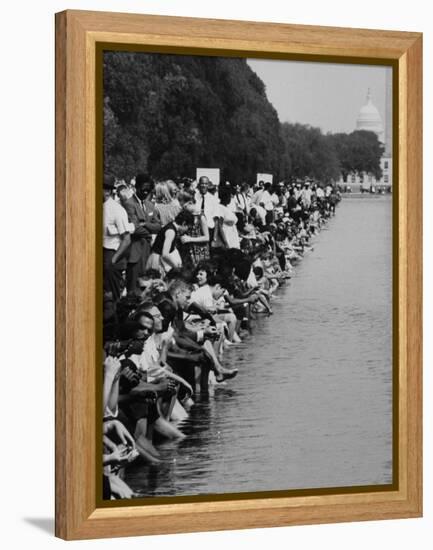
(169, 114)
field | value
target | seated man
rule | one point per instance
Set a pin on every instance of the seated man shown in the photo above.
(158, 392)
(193, 342)
(148, 283)
(136, 400)
(153, 363)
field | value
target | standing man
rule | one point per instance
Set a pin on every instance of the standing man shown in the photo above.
(208, 204)
(257, 195)
(115, 240)
(143, 214)
(306, 195)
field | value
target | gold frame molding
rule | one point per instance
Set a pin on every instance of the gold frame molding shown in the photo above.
(79, 34)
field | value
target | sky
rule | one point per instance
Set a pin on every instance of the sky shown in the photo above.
(325, 95)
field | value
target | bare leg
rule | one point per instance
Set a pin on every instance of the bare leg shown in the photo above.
(118, 487)
(265, 303)
(144, 444)
(168, 430)
(209, 348)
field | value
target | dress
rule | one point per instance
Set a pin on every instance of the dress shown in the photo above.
(194, 253)
(228, 226)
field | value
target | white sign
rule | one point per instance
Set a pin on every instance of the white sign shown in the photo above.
(212, 173)
(265, 178)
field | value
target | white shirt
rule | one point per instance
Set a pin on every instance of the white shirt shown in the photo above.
(115, 224)
(203, 297)
(148, 361)
(210, 207)
(262, 213)
(241, 202)
(252, 281)
(306, 196)
(266, 199)
(256, 198)
(275, 200)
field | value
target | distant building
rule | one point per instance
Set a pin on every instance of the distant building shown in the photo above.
(369, 119)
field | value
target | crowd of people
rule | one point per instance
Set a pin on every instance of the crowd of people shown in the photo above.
(187, 265)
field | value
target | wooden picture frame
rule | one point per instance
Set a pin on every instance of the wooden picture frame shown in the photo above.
(78, 34)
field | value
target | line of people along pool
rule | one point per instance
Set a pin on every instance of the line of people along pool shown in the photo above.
(187, 267)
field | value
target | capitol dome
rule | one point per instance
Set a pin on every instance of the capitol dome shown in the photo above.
(369, 119)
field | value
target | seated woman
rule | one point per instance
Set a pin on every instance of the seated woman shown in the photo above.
(209, 297)
(165, 256)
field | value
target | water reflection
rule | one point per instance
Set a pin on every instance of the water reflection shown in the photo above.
(311, 406)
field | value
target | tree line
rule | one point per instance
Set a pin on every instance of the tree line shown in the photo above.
(169, 114)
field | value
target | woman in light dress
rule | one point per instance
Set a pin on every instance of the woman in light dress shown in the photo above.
(226, 234)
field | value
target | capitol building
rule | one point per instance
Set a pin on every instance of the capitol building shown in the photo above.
(369, 119)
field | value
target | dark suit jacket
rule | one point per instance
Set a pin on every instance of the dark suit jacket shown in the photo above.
(146, 222)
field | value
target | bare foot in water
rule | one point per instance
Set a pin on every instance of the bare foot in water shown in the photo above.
(168, 430)
(226, 375)
(145, 453)
(148, 446)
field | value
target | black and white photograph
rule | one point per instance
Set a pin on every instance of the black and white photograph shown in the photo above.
(247, 275)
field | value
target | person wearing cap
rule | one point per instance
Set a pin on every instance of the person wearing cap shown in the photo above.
(115, 241)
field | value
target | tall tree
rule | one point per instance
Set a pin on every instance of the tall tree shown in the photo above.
(169, 114)
(358, 153)
(309, 153)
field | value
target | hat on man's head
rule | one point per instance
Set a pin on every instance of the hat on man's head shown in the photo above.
(109, 182)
